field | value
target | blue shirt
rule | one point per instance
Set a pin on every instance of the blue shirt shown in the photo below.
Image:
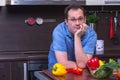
(64, 42)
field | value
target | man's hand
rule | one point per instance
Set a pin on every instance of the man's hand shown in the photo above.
(82, 30)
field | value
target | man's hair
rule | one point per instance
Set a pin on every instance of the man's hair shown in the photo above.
(74, 7)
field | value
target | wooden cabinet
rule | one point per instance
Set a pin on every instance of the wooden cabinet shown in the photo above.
(16, 70)
(5, 71)
(19, 70)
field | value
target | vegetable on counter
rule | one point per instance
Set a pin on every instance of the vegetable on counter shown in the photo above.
(101, 63)
(104, 70)
(93, 63)
(118, 73)
(59, 69)
(76, 70)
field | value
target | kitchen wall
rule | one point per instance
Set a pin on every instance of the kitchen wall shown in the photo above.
(17, 35)
(103, 25)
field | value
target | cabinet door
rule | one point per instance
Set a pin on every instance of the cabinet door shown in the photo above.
(5, 71)
(19, 70)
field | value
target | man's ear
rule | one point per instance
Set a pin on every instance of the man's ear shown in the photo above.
(66, 21)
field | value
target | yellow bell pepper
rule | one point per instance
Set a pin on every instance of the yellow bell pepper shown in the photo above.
(59, 69)
(101, 63)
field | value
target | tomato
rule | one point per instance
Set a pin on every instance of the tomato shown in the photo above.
(118, 73)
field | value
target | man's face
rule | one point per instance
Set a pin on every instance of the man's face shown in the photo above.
(75, 19)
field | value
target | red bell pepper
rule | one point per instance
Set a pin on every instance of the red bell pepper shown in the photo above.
(93, 63)
(75, 70)
(69, 70)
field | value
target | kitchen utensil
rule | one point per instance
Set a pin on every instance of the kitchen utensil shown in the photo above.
(115, 37)
(111, 34)
(39, 20)
(31, 21)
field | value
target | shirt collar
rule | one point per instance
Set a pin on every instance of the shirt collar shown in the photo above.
(67, 31)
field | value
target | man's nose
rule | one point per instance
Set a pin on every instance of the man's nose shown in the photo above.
(77, 21)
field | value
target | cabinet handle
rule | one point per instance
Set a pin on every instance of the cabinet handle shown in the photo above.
(25, 71)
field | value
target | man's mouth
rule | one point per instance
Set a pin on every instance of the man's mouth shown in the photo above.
(77, 27)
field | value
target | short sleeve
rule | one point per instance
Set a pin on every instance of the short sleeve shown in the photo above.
(59, 40)
(89, 47)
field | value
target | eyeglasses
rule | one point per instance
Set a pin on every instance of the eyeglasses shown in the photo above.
(74, 20)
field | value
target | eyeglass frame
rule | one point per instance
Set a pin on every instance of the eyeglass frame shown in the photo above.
(79, 19)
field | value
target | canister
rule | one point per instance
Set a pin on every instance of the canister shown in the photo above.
(100, 47)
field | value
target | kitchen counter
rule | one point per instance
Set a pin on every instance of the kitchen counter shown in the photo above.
(47, 75)
(21, 65)
(23, 56)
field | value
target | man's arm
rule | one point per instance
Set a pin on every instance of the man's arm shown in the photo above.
(81, 56)
(62, 58)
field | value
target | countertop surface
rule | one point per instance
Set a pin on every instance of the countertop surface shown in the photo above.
(47, 75)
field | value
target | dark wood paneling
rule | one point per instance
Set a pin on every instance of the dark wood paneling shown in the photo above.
(103, 26)
(16, 35)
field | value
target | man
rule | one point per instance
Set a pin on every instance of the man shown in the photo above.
(73, 41)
